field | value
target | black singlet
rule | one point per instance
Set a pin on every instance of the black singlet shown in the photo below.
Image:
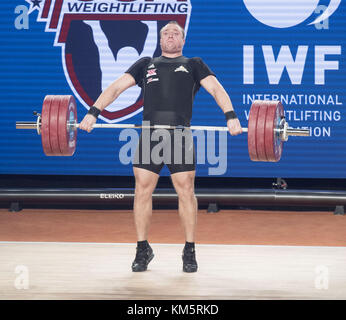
(169, 86)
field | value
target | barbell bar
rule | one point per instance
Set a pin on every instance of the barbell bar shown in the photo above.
(57, 124)
(34, 125)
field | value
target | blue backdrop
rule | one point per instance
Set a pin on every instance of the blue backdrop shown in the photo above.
(257, 49)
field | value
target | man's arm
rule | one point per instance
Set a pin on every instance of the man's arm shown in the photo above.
(214, 87)
(107, 97)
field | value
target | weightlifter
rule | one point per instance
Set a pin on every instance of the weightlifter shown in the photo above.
(169, 83)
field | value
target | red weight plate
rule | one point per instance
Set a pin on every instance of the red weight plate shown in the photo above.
(279, 144)
(53, 125)
(251, 134)
(273, 143)
(67, 136)
(45, 116)
(260, 132)
(269, 131)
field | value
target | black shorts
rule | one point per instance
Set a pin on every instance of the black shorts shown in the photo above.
(159, 147)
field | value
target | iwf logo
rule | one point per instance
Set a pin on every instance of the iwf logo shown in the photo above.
(288, 13)
(100, 39)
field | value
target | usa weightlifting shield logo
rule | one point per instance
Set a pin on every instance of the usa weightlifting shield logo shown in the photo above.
(101, 39)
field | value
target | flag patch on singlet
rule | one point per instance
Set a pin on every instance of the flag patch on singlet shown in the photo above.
(152, 79)
(151, 72)
(181, 68)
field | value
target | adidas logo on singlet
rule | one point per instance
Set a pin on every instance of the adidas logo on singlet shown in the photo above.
(181, 68)
(151, 66)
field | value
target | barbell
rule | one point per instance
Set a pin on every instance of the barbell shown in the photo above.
(57, 124)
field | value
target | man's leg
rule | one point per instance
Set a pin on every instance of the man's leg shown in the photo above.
(184, 185)
(145, 184)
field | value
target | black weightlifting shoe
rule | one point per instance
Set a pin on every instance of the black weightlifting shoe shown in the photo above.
(143, 257)
(189, 260)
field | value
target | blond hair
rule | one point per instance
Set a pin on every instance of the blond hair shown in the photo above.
(175, 23)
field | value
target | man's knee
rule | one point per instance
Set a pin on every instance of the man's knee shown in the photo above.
(145, 184)
(184, 186)
(143, 191)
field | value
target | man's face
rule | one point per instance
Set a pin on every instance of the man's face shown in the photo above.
(172, 40)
